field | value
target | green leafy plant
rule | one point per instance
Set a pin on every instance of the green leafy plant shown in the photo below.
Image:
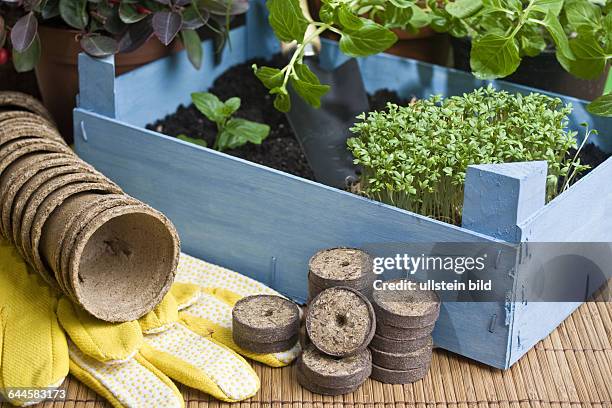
(505, 31)
(359, 36)
(232, 132)
(415, 157)
(106, 27)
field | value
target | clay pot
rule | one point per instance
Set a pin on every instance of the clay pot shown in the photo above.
(60, 49)
(426, 45)
(541, 72)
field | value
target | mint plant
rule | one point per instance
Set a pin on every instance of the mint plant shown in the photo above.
(505, 31)
(232, 132)
(415, 157)
(359, 37)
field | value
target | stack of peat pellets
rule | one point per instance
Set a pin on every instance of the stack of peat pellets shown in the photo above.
(339, 323)
(402, 346)
(265, 324)
(110, 253)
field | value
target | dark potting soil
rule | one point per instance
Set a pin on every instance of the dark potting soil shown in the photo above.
(280, 150)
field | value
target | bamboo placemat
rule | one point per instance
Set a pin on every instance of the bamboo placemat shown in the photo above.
(570, 368)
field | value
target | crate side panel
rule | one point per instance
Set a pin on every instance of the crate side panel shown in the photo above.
(583, 214)
(266, 224)
(157, 89)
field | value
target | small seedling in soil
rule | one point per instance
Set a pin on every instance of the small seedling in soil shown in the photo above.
(415, 157)
(199, 142)
(232, 132)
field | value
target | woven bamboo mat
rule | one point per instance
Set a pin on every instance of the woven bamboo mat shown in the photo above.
(570, 368)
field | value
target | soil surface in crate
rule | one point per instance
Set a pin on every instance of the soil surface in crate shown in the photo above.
(280, 150)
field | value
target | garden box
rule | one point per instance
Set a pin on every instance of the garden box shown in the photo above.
(266, 224)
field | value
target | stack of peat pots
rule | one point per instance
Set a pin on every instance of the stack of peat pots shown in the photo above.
(108, 252)
(339, 323)
(402, 346)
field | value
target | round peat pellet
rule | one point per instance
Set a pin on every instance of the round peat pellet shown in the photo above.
(348, 267)
(404, 308)
(401, 333)
(399, 346)
(11, 100)
(303, 337)
(264, 347)
(340, 321)
(402, 361)
(389, 376)
(332, 372)
(319, 389)
(265, 319)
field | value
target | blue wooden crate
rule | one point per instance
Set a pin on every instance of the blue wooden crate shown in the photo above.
(266, 223)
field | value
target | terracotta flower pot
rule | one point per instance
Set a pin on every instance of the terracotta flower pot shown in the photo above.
(426, 45)
(58, 76)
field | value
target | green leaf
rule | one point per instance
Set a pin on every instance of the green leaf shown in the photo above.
(209, 105)
(27, 60)
(74, 13)
(371, 38)
(402, 3)
(544, 6)
(308, 85)
(282, 101)
(582, 13)
(231, 106)
(590, 58)
(287, 19)
(327, 13)
(237, 132)
(348, 20)
(531, 40)
(464, 8)
(99, 45)
(270, 77)
(199, 142)
(419, 17)
(193, 45)
(494, 56)
(128, 13)
(601, 106)
(556, 31)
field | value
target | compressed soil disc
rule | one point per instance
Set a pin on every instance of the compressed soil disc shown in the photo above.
(401, 333)
(14, 176)
(332, 372)
(402, 361)
(19, 128)
(264, 348)
(71, 230)
(44, 172)
(389, 376)
(123, 262)
(399, 346)
(319, 389)
(406, 308)
(25, 115)
(303, 337)
(348, 267)
(9, 100)
(48, 206)
(265, 318)
(340, 321)
(47, 189)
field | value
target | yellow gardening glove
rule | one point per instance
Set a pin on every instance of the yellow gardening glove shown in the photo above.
(211, 314)
(127, 370)
(33, 349)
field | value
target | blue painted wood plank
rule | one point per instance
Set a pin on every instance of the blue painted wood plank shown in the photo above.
(266, 224)
(97, 85)
(581, 214)
(497, 197)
